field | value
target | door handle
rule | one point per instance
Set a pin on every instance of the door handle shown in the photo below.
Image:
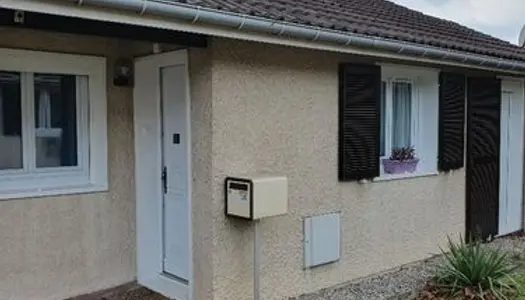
(176, 138)
(164, 179)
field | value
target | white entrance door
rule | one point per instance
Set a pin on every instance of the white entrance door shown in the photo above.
(175, 135)
(511, 166)
(162, 162)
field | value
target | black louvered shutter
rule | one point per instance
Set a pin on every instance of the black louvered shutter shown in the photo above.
(452, 95)
(359, 121)
(483, 156)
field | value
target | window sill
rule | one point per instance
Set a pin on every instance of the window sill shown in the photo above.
(390, 177)
(51, 191)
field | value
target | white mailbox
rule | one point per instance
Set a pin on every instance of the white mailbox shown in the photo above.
(256, 197)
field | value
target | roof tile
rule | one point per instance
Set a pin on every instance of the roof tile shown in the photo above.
(378, 18)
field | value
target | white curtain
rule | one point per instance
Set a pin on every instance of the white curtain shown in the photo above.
(401, 114)
(44, 109)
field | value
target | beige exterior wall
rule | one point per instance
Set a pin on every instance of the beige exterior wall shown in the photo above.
(56, 247)
(202, 210)
(275, 110)
(255, 108)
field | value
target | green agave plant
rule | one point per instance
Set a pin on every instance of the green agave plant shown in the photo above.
(476, 272)
(521, 282)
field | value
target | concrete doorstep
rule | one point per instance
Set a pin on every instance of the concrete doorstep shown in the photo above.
(128, 291)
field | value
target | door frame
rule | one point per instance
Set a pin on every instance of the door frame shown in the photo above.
(148, 169)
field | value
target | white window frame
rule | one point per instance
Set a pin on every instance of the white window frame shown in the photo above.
(419, 78)
(91, 174)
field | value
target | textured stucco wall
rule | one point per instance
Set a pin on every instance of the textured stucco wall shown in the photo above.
(56, 247)
(275, 110)
(201, 131)
(255, 108)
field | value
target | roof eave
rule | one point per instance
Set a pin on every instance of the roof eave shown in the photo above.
(289, 32)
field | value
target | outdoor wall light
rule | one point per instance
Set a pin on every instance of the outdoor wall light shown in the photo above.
(123, 74)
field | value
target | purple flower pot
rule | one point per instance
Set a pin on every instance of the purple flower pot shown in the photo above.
(399, 166)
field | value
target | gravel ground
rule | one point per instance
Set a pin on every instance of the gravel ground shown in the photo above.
(514, 244)
(404, 282)
(397, 284)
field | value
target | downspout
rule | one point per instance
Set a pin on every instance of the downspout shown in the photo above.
(280, 28)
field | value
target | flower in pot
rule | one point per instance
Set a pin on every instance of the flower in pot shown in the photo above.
(402, 160)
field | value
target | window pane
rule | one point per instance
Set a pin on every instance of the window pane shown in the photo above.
(55, 120)
(10, 121)
(382, 129)
(401, 114)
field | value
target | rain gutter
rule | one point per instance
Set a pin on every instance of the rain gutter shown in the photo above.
(199, 15)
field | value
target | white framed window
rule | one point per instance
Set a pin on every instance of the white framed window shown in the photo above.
(53, 127)
(398, 115)
(409, 116)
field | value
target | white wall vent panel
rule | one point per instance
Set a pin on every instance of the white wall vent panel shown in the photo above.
(322, 239)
